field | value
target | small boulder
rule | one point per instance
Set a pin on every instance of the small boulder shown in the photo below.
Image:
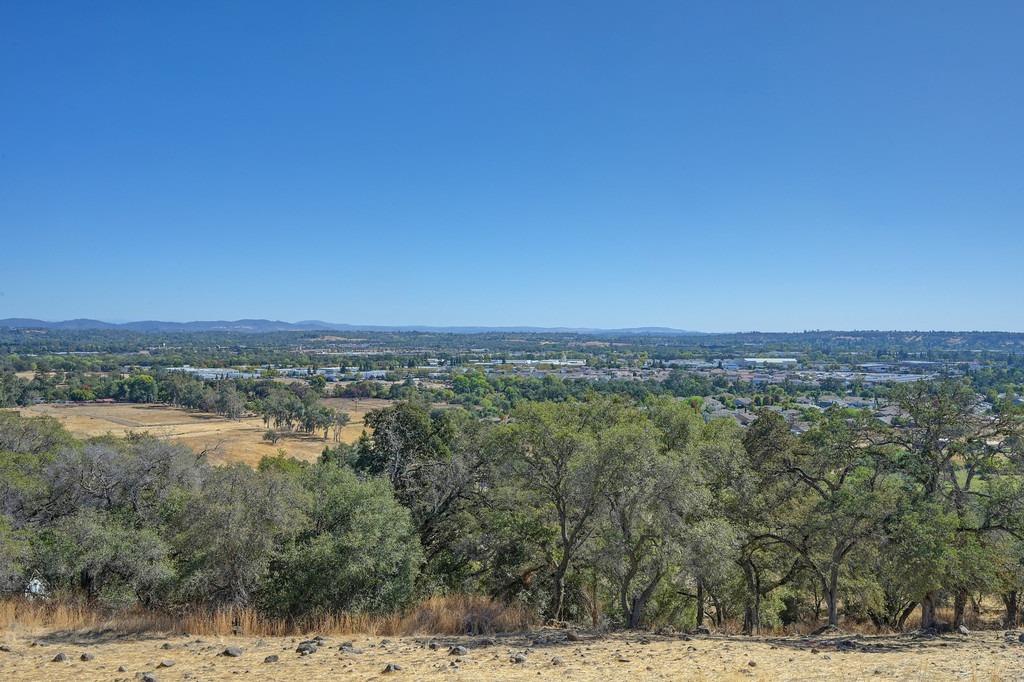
(963, 630)
(433, 645)
(60, 658)
(272, 658)
(232, 652)
(86, 657)
(306, 648)
(166, 663)
(391, 668)
(458, 651)
(518, 658)
(557, 661)
(166, 645)
(122, 669)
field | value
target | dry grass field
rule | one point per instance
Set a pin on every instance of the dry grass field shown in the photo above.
(541, 654)
(225, 440)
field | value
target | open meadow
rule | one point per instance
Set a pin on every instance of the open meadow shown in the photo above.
(225, 440)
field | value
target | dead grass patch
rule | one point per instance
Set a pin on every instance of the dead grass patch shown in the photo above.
(451, 615)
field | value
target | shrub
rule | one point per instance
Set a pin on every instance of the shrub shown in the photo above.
(359, 552)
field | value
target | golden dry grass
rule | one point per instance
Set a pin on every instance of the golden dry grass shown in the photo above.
(225, 440)
(449, 615)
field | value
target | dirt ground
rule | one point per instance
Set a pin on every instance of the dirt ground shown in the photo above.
(225, 440)
(545, 655)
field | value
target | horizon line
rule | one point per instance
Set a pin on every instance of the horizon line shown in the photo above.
(524, 328)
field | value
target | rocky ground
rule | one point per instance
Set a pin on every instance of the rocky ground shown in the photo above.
(545, 654)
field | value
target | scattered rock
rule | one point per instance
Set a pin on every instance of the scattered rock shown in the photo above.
(307, 647)
(392, 668)
(349, 648)
(86, 657)
(146, 677)
(232, 651)
(60, 658)
(458, 651)
(272, 658)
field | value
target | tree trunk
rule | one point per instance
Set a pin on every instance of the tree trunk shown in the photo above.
(833, 608)
(638, 603)
(636, 613)
(700, 603)
(959, 608)
(1012, 617)
(832, 596)
(901, 621)
(558, 599)
(719, 616)
(928, 617)
(752, 608)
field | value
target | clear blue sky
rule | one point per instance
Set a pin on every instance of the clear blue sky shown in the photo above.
(703, 165)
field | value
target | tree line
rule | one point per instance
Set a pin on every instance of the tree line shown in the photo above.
(602, 510)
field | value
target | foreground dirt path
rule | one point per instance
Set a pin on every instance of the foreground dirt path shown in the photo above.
(546, 654)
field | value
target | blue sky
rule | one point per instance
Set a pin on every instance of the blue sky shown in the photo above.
(702, 165)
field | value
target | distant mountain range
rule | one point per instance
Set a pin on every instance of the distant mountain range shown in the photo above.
(260, 326)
